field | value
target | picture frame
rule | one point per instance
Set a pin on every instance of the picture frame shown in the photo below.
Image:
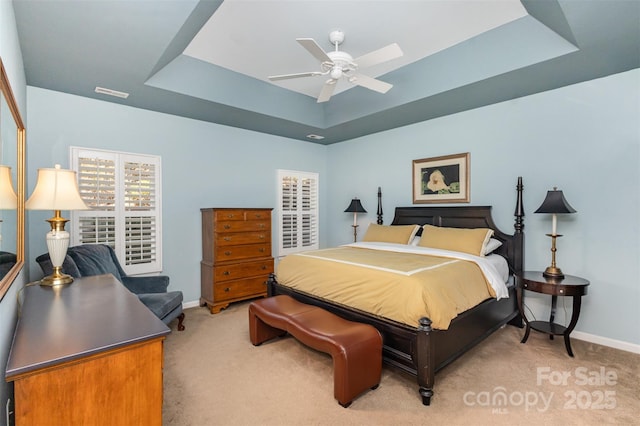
(444, 179)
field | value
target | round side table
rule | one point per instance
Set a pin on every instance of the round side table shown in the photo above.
(567, 286)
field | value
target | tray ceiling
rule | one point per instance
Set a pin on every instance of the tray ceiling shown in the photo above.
(209, 60)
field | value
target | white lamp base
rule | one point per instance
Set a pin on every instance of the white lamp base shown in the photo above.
(57, 243)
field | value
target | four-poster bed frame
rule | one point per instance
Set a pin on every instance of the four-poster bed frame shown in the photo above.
(421, 351)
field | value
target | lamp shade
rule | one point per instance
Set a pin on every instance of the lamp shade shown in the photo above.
(8, 197)
(56, 189)
(555, 203)
(355, 207)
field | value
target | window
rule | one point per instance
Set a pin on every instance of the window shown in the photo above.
(122, 191)
(298, 211)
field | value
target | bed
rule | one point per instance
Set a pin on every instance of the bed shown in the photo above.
(422, 350)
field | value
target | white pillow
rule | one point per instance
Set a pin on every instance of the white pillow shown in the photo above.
(491, 246)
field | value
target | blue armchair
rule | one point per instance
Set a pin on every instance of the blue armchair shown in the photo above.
(96, 259)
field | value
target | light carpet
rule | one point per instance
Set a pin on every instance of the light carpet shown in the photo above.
(213, 375)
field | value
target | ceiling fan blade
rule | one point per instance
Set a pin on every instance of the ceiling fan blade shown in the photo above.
(370, 83)
(327, 91)
(298, 75)
(313, 48)
(379, 56)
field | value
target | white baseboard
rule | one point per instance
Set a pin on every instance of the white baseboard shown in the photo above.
(605, 341)
(192, 304)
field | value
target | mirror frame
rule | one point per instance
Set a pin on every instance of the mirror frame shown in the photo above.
(6, 91)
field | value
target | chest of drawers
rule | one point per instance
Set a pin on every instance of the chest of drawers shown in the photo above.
(236, 255)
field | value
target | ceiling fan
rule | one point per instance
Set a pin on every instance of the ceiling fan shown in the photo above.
(337, 64)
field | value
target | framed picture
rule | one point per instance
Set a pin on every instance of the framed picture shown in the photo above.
(441, 179)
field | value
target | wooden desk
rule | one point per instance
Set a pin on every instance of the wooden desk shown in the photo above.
(89, 353)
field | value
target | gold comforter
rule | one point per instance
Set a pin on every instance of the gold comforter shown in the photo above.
(402, 286)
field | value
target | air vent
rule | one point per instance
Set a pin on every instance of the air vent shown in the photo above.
(316, 137)
(112, 92)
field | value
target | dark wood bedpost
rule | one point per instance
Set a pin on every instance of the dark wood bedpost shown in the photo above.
(518, 262)
(518, 240)
(271, 285)
(379, 206)
(425, 360)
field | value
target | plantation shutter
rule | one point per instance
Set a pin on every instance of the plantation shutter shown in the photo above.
(97, 185)
(140, 180)
(298, 211)
(122, 192)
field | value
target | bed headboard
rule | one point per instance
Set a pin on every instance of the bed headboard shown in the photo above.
(472, 217)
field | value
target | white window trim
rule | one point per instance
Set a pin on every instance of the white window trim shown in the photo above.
(281, 174)
(120, 157)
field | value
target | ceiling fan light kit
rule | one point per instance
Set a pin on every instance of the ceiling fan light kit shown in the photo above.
(337, 64)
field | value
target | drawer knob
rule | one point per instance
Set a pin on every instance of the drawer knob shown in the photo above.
(261, 237)
(227, 253)
(261, 250)
(264, 267)
(227, 238)
(227, 289)
(261, 225)
(227, 227)
(258, 215)
(226, 273)
(230, 215)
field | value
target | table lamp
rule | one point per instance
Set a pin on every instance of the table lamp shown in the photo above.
(554, 203)
(8, 197)
(355, 207)
(56, 189)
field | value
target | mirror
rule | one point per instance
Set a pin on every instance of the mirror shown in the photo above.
(12, 181)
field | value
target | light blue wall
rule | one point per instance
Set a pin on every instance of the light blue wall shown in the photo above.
(204, 165)
(12, 61)
(584, 139)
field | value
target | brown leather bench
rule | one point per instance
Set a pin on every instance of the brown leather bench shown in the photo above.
(356, 348)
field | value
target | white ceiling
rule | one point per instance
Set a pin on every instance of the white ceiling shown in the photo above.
(257, 38)
(209, 59)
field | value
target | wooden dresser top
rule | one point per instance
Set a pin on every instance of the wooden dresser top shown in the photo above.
(89, 316)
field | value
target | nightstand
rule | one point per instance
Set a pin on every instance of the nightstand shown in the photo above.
(567, 286)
